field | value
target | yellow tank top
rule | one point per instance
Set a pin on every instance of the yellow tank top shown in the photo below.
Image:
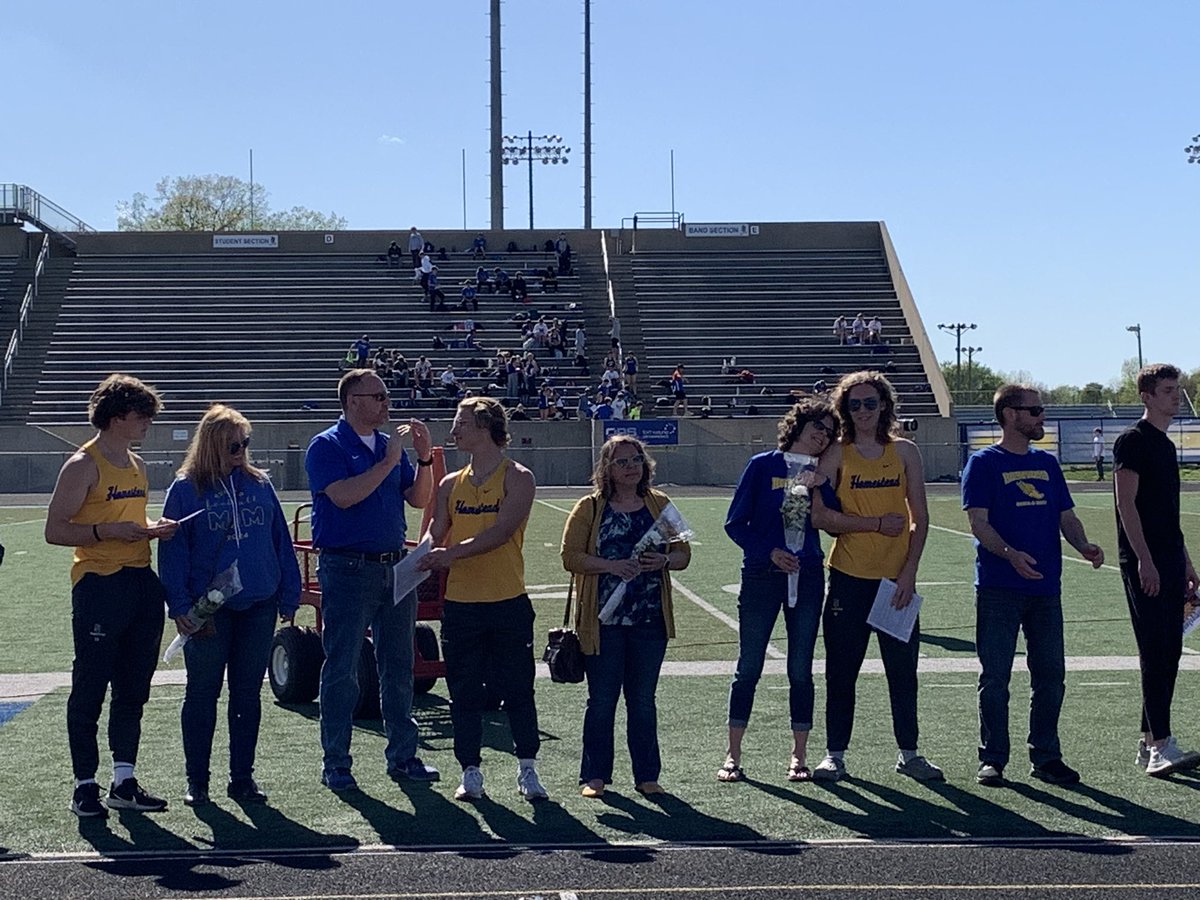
(871, 487)
(118, 496)
(498, 574)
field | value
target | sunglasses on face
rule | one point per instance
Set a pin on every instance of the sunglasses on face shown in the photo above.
(238, 446)
(378, 396)
(630, 462)
(870, 404)
(829, 430)
(1034, 411)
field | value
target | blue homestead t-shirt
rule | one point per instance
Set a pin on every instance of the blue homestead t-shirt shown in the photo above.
(1024, 495)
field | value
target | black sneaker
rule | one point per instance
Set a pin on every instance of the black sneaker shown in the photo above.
(990, 775)
(246, 790)
(129, 795)
(196, 794)
(86, 802)
(1055, 772)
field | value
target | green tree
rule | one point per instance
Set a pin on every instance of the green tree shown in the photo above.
(215, 203)
(979, 382)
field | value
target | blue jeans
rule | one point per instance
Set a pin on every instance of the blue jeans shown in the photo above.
(241, 646)
(998, 615)
(356, 594)
(630, 659)
(764, 593)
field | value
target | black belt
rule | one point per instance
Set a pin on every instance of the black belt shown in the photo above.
(392, 556)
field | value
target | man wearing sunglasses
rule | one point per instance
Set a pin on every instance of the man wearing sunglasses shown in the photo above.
(1017, 504)
(1156, 569)
(360, 478)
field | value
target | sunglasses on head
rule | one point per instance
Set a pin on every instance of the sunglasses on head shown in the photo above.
(630, 462)
(870, 404)
(1034, 411)
(238, 446)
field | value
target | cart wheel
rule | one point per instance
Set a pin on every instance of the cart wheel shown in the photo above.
(427, 646)
(295, 665)
(368, 683)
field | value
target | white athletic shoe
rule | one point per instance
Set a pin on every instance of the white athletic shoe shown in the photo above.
(528, 784)
(472, 785)
(1169, 758)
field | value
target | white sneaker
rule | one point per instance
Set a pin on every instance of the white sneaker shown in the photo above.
(1169, 758)
(472, 785)
(831, 768)
(528, 784)
(1143, 755)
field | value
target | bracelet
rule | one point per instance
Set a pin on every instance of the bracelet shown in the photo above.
(878, 524)
(96, 534)
(425, 462)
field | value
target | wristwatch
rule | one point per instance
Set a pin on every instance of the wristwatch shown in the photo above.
(425, 462)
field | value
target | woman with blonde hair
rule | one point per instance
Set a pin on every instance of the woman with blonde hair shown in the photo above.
(237, 526)
(625, 652)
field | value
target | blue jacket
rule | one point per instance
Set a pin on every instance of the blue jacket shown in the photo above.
(755, 522)
(209, 543)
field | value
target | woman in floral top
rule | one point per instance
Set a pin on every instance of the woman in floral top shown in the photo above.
(781, 570)
(625, 651)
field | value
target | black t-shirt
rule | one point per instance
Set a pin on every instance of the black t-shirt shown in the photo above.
(1148, 451)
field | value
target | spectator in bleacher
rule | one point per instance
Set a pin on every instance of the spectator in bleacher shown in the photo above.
(563, 250)
(583, 406)
(631, 373)
(416, 244)
(518, 414)
(435, 295)
(424, 372)
(841, 330)
(858, 328)
(602, 409)
(679, 391)
(1098, 452)
(512, 377)
(449, 381)
(545, 402)
(243, 528)
(520, 290)
(362, 347)
(614, 331)
(541, 331)
(350, 359)
(393, 255)
(479, 247)
(533, 374)
(874, 330)
(580, 341)
(619, 405)
(501, 282)
(550, 279)
(769, 520)
(400, 373)
(634, 411)
(422, 273)
(879, 482)
(469, 297)
(611, 374)
(482, 281)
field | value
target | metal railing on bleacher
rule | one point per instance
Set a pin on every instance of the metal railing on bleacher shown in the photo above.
(19, 202)
(18, 334)
(645, 219)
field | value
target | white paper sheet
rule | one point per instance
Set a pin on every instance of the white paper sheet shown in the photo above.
(896, 622)
(405, 575)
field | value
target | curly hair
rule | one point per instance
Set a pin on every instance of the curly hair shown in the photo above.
(1149, 377)
(119, 395)
(601, 475)
(489, 414)
(807, 410)
(888, 427)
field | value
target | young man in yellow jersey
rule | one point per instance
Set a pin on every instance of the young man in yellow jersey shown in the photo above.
(117, 602)
(487, 624)
(879, 482)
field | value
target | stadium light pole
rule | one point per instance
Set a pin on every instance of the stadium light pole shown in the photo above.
(957, 329)
(1137, 329)
(971, 351)
(521, 148)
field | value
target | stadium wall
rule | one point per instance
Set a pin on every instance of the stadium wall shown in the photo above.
(708, 452)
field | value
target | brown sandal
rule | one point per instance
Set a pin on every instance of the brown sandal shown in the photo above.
(798, 772)
(730, 771)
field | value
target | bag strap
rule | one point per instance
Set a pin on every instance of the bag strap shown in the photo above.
(571, 580)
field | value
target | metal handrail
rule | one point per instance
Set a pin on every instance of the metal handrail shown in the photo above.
(612, 301)
(24, 203)
(40, 265)
(670, 219)
(9, 355)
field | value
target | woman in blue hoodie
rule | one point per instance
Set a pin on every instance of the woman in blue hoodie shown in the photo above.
(238, 522)
(782, 569)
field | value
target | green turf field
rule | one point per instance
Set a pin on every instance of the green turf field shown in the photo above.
(1097, 731)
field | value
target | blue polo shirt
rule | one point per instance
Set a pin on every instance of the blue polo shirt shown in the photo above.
(375, 525)
(1024, 494)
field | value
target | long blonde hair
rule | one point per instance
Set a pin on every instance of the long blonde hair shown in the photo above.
(204, 464)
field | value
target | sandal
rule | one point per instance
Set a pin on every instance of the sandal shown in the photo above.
(730, 771)
(797, 771)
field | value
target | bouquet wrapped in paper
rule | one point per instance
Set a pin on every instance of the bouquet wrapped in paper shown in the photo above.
(670, 527)
(796, 505)
(224, 585)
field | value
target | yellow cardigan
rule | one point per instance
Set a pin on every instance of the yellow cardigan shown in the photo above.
(580, 538)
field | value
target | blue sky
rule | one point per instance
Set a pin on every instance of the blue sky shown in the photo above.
(1026, 157)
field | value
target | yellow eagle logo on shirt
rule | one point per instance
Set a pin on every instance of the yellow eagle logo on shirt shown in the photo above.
(1030, 491)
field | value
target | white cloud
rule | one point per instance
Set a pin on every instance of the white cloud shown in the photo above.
(390, 139)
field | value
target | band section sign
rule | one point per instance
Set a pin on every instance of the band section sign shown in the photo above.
(245, 241)
(718, 229)
(657, 431)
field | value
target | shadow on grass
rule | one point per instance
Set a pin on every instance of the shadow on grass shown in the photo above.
(953, 644)
(1118, 815)
(668, 818)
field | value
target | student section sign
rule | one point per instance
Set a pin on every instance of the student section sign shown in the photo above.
(648, 431)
